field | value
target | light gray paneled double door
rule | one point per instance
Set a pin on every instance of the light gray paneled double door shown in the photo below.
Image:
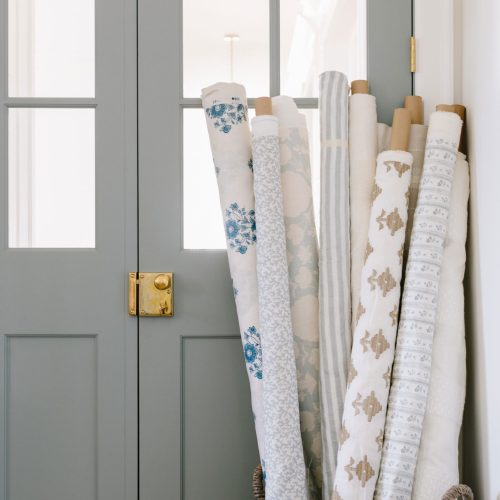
(94, 154)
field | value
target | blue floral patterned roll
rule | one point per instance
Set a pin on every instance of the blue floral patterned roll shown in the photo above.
(225, 107)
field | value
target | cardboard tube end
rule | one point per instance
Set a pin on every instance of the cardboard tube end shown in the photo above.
(453, 108)
(415, 105)
(263, 106)
(400, 129)
(359, 87)
(461, 112)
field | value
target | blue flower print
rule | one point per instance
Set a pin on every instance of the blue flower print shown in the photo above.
(218, 110)
(232, 229)
(225, 115)
(250, 353)
(252, 350)
(240, 228)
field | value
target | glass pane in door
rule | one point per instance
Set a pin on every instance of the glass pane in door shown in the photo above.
(226, 40)
(51, 48)
(202, 224)
(320, 35)
(203, 228)
(51, 178)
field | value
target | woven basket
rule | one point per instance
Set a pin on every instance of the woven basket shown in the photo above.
(257, 484)
(459, 492)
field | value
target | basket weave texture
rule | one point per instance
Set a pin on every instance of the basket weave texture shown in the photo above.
(458, 492)
(257, 485)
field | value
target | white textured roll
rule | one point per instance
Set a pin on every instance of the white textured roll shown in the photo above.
(363, 149)
(418, 135)
(384, 137)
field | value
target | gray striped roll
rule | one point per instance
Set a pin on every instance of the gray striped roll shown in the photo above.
(334, 291)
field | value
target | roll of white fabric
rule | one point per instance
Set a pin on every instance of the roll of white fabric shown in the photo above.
(383, 136)
(302, 253)
(374, 338)
(225, 107)
(335, 291)
(437, 464)
(363, 149)
(285, 467)
(418, 135)
(412, 364)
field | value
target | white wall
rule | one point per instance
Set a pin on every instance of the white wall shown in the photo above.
(481, 96)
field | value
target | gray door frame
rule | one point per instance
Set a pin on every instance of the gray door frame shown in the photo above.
(56, 296)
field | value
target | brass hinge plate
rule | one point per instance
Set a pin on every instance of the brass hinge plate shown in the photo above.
(151, 294)
(413, 54)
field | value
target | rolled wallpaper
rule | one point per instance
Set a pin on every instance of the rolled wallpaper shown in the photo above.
(437, 464)
(374, 338)
(302, 253)
(225, 106)
(363, 148)
(335, 303)
(412, 365)
(284, 458)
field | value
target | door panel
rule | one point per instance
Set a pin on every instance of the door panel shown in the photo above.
(68, 383)
(197, 439)
(215, 419)
(389, 30)
(60, 461)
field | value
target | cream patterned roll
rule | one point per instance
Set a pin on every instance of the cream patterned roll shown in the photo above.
(374, 338)
(285, 467)
(302, 253)
(226, 112)
(412, 364)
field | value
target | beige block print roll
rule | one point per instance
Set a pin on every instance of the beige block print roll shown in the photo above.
(418, 135)
(374, 338)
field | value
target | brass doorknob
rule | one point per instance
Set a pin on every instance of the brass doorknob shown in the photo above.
(162, 281)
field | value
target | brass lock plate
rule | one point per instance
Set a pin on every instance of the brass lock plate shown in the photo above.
(151, 294)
